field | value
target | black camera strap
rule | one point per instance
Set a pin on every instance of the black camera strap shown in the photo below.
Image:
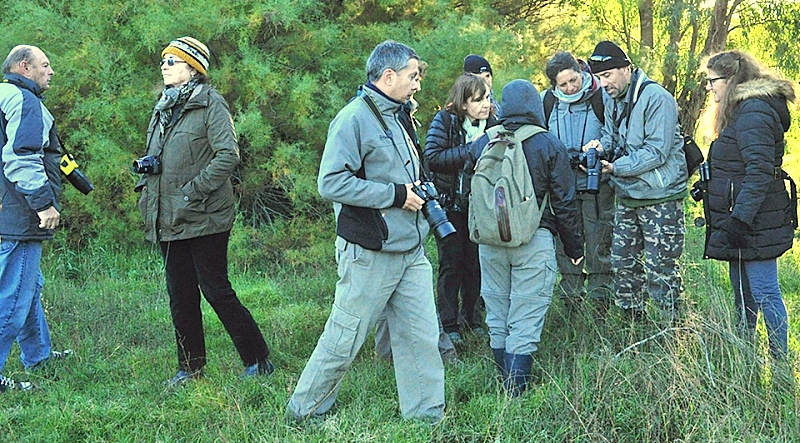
(377, 114)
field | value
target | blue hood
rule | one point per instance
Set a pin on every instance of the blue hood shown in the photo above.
(522, 104)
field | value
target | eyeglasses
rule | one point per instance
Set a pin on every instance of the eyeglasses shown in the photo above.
(600, 58)
(170, 61)
(712, 80)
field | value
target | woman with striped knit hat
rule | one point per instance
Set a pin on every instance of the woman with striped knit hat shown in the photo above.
(187, 204)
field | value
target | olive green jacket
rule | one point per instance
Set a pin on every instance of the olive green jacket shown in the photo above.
(193, 194)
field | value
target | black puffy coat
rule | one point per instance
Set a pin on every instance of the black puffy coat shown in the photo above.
(746, 181)
(446, 153)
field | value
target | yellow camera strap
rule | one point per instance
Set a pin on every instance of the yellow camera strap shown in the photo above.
(68, 164)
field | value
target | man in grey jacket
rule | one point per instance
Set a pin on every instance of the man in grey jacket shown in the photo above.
(368, 169)
(648, 174)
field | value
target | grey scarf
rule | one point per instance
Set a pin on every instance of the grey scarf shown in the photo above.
(171, 97)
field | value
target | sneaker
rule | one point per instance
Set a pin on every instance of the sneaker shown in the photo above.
(59, 355)
(7, 384)
(261, 367)
(183, 377)
(54, 356)
(455, 337)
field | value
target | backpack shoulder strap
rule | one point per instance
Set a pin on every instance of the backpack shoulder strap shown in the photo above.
(634, 99)
(598, 106)
(447, 120)
(549, 103)
(494, 131)
(525, 132)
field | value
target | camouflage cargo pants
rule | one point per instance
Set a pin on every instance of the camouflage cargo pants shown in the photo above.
(648, 241)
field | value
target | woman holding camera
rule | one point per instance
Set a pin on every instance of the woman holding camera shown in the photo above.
(188, 208)
(466, 117)
(751, 216)
(574, 112)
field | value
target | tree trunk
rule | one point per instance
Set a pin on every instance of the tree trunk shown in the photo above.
(692, 101)
(646, 25)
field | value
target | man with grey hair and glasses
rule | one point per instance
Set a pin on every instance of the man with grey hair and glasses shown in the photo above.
(368, 169)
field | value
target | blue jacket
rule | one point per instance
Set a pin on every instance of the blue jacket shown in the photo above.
(653, 165)
(575, 124)
(447, 152)
(31, 177)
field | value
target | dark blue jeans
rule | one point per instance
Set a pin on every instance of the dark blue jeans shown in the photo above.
(21, 313)
(201, 264)
(758, 290)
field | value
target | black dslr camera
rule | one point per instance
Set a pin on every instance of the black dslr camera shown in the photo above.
(70, 169)
(591, 161)
(149, 164)
(432, 211)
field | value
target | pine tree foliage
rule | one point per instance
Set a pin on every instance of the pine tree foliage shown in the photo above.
(287, 66)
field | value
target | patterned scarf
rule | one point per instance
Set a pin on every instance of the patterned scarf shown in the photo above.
(171, 97)
(588, 87)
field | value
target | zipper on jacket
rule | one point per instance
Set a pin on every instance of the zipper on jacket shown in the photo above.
(730, 196)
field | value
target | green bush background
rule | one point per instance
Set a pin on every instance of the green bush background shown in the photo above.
(286, 67)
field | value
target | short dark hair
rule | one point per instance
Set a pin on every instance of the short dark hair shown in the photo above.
(561, 61)
(389, 55)
(17, 54)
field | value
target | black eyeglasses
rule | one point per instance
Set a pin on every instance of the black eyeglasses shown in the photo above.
(600, 58)
(712, 80)
(170, 61)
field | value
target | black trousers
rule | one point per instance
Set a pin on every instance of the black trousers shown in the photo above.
(201, 264)
(459, 272)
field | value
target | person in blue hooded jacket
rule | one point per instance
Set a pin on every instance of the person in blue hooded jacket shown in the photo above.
(517, 283)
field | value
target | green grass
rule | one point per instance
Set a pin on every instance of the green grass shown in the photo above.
(701, 383)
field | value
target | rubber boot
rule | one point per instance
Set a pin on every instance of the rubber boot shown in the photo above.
(519, 372)
(499, 361)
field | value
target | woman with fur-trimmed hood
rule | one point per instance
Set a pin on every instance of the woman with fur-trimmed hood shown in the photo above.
(751, 215)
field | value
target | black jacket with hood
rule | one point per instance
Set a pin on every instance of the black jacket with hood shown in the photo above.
(548, 163)
(746, 182)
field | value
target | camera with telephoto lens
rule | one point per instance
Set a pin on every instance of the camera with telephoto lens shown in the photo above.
(700, 187)
(591, 161)
(70, 169)
(149, 164)
(432, 211)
